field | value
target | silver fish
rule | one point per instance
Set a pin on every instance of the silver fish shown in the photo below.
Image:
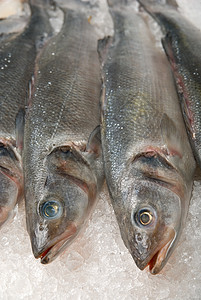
(17, 55)
(182, 44)
(149, 165)
(62, 154)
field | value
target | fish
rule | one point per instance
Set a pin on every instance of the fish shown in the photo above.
(62, 157)
(17, 55)
(148, 161)
(181, 42)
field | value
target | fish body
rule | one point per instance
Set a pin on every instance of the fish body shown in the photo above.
(148, 161)
(62, 156)
(182, 44)
(17, 55)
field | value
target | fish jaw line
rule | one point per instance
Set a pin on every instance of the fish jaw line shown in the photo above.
(160, 256)
(54, 247)
(159, 259)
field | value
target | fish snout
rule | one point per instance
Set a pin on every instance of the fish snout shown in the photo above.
(154, 255)
(48, 249)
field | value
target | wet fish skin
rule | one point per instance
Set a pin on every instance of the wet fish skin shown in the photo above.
(148, 160)
(181, 43)
(17, 55)
(62, 153)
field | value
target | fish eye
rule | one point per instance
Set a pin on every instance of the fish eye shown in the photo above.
(144, 216)
(51, 209)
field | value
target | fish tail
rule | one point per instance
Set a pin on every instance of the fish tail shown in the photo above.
(39, 8)
(39, 16)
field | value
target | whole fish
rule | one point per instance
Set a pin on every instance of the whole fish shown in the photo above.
(62, 155)
(148, 161)
(17, 55)
(182, 44)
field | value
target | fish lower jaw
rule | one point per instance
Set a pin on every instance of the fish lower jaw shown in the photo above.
(50, 253)
(158, 260)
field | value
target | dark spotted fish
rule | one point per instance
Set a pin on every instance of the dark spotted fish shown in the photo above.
(17, 55)
(182, 44)
(62, 155)
(149, 165)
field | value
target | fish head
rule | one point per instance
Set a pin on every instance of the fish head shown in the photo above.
(8, 197)
(11, 182)
(151, 223)
(58, 217)
(63, 205)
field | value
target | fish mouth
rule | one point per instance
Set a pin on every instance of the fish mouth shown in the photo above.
(160, 257)
(53, 249)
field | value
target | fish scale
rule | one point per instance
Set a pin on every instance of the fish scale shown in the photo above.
(149, 165)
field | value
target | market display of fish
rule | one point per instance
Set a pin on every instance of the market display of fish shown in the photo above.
(17, 55)
(62, 154)
(52, 121)
(182, 44)
(149, 165)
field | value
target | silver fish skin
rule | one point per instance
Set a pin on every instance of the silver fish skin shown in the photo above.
(17, 55)
(62, 154)
(148, 161)
(182, 44)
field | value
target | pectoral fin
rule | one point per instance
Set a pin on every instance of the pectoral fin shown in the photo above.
(173, 139)
(94, 142)
(19, 127)
(103, 46)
